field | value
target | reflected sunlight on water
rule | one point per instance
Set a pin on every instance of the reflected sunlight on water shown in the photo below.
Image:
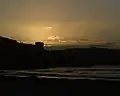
(109, 73)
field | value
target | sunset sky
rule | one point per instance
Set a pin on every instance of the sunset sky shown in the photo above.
(39, 19)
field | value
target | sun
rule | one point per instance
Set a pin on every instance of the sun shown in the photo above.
(47, 28)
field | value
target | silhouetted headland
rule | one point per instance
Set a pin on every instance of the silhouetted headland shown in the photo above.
(15, 55)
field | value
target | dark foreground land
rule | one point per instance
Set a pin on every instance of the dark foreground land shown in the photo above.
(14, 55)
(52, 87)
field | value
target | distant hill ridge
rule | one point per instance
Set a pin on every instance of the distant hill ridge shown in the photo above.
(15, 55)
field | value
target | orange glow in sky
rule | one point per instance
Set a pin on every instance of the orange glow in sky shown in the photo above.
(35, 20)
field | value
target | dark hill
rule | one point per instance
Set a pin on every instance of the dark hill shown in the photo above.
(14, 55)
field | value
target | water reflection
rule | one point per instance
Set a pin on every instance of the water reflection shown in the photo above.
(68, 73)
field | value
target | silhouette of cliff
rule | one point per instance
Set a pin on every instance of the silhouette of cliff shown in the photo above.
(14, 55)
(19, 55)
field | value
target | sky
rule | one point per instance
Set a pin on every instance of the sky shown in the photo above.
(35, 20)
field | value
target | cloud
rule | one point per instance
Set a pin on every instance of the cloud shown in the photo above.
(63, 40)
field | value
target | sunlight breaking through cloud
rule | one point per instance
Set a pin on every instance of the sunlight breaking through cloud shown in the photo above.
(63, 40)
